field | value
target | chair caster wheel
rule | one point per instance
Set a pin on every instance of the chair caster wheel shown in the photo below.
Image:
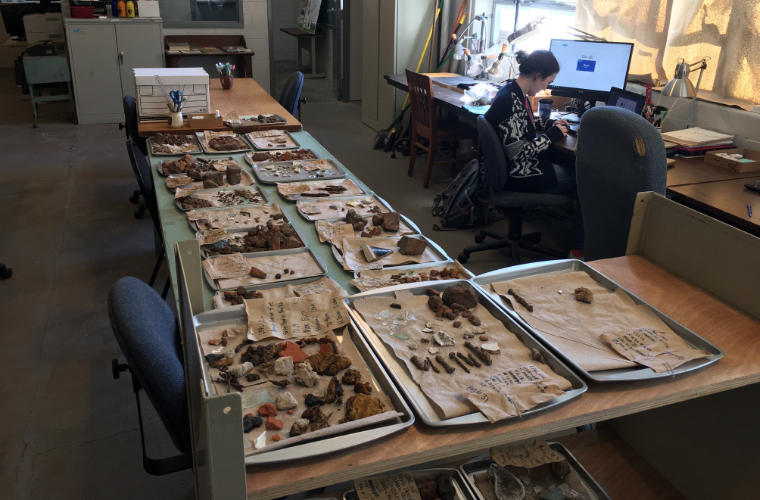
(479, 238)
(534, 238)
(134, 199)
(462, 258)
(139, 214)
(5, 272)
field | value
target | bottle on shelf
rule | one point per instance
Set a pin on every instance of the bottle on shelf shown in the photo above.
(121, 8)
(115, 8)
(130, 8)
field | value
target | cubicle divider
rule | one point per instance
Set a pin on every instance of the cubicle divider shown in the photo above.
(216, 420)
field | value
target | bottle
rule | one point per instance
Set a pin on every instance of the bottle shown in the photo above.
(130, 8)
(121, 8)
(115, 8)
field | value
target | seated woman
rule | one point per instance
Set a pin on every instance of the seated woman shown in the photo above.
(528, 156)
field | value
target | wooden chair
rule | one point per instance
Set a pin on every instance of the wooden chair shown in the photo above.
(425, 125)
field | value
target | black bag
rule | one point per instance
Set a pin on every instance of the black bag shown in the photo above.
(457, 205)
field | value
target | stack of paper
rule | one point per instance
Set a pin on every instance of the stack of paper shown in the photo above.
(698, 137)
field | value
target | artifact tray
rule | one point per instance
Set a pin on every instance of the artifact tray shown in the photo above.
(208, 150)
(346, 203)
(411, 226)
(301, 281)
(425, 475)
(246, 203)
(309, 449)
(204, 254)
(249, 156)
(273, 172)
(246, 179)
(412, 391)
(192, 140)
(288, 189)
(274, 209)
(413, 270)
(480, 464)
(484, 281)
(439, 254)
(323, 269)
(264, 142)
(160, 168)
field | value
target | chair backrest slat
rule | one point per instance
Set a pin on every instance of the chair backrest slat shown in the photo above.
(422, 102)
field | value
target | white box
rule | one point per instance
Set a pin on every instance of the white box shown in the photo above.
(193, 82)
(147, 8)
(50, 23)
(32, 37)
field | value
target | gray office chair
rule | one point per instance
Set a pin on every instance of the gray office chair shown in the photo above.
(148, 336)
(290, 96)
(619, 154)
(495, 173)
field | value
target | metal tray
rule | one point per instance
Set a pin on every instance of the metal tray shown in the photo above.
(481, 464)
(220, 317)
(245, 177)
(263, 252)
(483, 282)
(201, 138)
(262, 194)
(216, 209)
(241, 307)
(161, 170)
(425, 475)
(193, 141)
(276, 147)
(376, 200)
(426, 265)
(404, 219)
(300, 196)
(250, 160)
(314, 256)
(438, 252)
(335, 173)
(247, 123)
(416, 397)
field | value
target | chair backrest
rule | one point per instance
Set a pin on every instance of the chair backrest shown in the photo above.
(619, 154)
(144, 176)
(494, 159)
(422, 101)
(291, 93)
(148, 336)
(130, 120)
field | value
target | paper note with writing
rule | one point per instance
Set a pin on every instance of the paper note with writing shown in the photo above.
(322, 285)
(659, 350)
(313, 165)
(526, 455)
(336, 231)
(173, 182)
(187, 191)
(266, 133)
(211, 236)
(512, 392)
(395, 487)
(210, 134)
(227, 266)
(295, 316)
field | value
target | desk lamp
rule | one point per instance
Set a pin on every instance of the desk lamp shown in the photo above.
(496, 68)
(472, 67)
(680, 85)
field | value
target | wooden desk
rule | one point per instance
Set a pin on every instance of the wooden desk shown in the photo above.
(299, 35)
(734, 332)
(694, 170)
(725, 200)
(246, 97)
(244, 65)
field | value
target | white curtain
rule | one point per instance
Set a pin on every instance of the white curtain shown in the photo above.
(726, 31)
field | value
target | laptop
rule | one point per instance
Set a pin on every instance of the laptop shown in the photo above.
(627, 100)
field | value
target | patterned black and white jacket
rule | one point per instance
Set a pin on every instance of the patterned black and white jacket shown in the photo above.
(530, 170)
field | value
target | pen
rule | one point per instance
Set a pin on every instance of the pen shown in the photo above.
(749, 210)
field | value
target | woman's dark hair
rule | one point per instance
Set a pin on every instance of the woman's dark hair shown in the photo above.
(542, 62)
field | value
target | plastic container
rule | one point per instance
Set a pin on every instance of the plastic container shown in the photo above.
(82, 12)
(122, 8)
(545, 108)
(130, 8)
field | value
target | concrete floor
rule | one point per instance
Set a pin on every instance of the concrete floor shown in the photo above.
(68, 429)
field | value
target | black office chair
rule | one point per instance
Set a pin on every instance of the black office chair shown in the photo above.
(144, 177)
(495, 176)
(148, 336)
(290, 97)
(621, 154)
(130, 125)
(5, 272)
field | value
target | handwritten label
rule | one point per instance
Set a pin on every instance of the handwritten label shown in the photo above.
(334, 231)
(265, 133)
(227, 266)
(286, 188)
(295, 316)
(323, 285)
(396, 487)
(183, 192)
(211, 236)
(527, 455)
(173, 182)
(661, 351)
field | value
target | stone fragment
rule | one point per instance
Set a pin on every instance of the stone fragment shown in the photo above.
(252, 377)
(362, 406)
(283, 366)
(234, 174)
(240, 370)
(251, 422)
(285, 401)
(377, 219)
(391, 222)
(462, 294)
(300, 426)
(409, 245)
(268, 410)
(334, 392)
(328, 363)
(474, 320)
(364, 388)
(446, 490)
(274, 424)
(276, 437)
(428, 491)
(505, 484)
(258, 273)
(457, 324)
(312, 400)
(351, 377)
(583, 294)
(292, 350)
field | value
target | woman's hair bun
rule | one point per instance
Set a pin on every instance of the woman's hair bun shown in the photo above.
(521, 56)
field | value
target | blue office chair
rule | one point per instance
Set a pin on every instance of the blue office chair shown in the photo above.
(148, 336)
(290, 97)
(130, 124)
(619, 154)
(495, 174)
(141, 167)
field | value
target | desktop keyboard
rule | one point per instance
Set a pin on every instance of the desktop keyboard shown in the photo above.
(754, 186)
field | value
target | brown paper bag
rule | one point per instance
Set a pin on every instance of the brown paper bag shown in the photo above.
(659, 350)
(296, 316)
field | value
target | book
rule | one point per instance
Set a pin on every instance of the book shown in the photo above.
(697, 137)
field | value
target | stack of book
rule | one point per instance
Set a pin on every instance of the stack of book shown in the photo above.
(697, 141)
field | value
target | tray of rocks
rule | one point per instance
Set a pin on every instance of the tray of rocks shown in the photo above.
(189, 163)
(222, 197)
(299, 170)
(295, 288)
(460, 357)
(173, 144)
(372, 279)
(235, 218)
(536, 483)
(260, 239)
(281, 155)
(222, 142)
(369, 227)
(195, 181)
(432, 484)
(272, 140)
(336, 208)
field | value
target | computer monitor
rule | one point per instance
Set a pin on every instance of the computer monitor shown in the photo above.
(588, 70)
(627, 100)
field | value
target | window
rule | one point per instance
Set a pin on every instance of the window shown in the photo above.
(202, 13)
(559, 15)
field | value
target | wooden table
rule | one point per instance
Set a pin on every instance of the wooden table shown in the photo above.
(299, 35)
(246, 97)
(734, 332)
(244, 64)
(695, 170)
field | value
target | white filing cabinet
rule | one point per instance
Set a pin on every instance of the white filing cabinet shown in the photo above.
(103, 53)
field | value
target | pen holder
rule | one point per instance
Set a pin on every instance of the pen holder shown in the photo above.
(227, 82)
(175, 120)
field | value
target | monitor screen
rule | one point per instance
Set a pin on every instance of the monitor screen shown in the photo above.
(590, 67)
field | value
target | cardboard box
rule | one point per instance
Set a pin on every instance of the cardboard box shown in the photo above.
(50, 23)
(739, 166)
(193, 82)
(203, 121)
